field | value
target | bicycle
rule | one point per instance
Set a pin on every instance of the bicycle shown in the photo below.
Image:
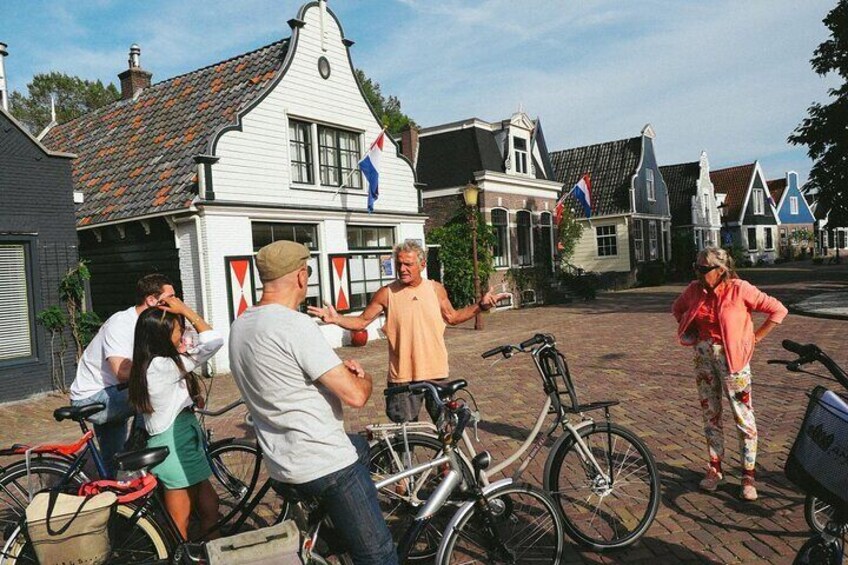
(503, 522)
(603, 476)
(827, 516)
(235, 463)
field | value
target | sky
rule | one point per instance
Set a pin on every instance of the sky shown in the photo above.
(729, 77)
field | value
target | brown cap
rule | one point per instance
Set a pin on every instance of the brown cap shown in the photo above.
(280, 258)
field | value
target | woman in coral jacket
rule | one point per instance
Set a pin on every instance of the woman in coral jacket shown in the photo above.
(714, 316)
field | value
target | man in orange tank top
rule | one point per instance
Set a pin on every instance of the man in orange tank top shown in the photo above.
(417, 311)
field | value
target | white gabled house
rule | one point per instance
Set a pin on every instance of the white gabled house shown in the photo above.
(192, 175)
(692, 197)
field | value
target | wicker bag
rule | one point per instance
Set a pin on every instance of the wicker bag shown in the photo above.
(70, 530)
(818, 461)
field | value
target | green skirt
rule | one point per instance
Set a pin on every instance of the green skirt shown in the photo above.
(186, 465)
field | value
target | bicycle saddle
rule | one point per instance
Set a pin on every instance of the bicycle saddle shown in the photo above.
(77, 413)
(449, 389)
(141, 459)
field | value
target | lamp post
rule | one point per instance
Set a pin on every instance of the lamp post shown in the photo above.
(470, 194)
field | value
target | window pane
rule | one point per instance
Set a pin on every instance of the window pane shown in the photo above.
(752, 239)
(301, 151)
(523, 233)
(262, 236)
(268, 232)
(519, 142)
(15, 320)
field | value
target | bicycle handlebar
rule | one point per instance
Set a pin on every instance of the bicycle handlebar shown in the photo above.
(538, 338)
(463, 414)
(506, 350)
(495, 351)
(221, 411)
(809, 353)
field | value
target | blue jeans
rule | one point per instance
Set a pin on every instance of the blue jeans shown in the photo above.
(350, 499)
(110, 424)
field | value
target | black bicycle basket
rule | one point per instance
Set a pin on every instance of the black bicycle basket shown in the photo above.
(818, 460)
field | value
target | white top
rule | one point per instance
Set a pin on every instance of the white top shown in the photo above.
(167, 386)
(277, 356)
(115, 339)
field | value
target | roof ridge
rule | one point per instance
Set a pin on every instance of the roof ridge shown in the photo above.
(733, 167)
(626, 139)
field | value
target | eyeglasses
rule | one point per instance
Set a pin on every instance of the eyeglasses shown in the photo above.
(308, 271)
(704, 269)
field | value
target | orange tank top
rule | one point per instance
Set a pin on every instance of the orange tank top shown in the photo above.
(415, 332)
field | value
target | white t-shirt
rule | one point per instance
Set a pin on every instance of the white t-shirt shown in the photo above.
(277, 356)
(115, 339)
(168, 389)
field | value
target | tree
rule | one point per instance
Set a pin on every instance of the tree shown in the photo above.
(74, 97)
(568, 232)
(823, 132)
(387, 109)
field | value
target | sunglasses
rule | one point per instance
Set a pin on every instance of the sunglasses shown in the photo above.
(308, 271)
(704, 269)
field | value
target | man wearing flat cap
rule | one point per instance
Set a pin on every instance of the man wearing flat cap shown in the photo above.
(294, 385)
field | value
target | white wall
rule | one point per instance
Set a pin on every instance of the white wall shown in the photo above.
(586, 254)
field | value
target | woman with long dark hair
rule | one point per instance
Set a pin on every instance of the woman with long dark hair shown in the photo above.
(163, 389)
(714, 317)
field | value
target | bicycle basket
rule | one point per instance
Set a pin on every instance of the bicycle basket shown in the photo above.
(818, 460)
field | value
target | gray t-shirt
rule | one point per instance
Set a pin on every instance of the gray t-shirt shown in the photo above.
(277, 356)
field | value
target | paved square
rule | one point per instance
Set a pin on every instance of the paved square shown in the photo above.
(620, 346)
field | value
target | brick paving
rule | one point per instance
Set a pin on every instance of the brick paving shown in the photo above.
(620, 346)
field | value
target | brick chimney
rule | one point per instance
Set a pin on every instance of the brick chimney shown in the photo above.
(4, 92)
(409, 143)
(134, 79)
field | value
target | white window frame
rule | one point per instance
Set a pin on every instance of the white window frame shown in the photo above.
(793, 205)
(639, 240)
(768, 233)
(756, 243)
(758, 201)
(315, 281)
(602, 233)
(518, 228)
(296, 165)
(653, 244)
(521, 163)
(354, 182)
(505, 262)
(20, 313)
(650, 185)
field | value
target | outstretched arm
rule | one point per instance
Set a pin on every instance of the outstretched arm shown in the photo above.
(378, 305)
(453, 317)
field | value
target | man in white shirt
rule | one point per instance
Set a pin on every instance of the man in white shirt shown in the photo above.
(106, 363)
(294, 385)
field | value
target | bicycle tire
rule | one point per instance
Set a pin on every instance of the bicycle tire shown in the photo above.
(816, 551)
(516, 505)
(400, 509)
(236, 475)
(817, 513)
(44, 473)
(141, 543)
(583, 496)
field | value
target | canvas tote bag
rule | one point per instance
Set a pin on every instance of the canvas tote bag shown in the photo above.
(70, 530)
(274, 545)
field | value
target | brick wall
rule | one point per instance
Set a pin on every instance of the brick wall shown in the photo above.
(441, 210)
(36, 192)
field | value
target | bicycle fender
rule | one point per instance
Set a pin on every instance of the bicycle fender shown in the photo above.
(546, 483)
(462, 512)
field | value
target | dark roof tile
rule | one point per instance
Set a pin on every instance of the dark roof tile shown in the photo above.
(682, 183)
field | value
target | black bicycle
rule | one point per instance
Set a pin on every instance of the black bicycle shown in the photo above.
(818, 460)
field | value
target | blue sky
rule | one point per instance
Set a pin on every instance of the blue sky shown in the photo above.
(729, 77)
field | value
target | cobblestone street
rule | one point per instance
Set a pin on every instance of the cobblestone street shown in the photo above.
(621, 346)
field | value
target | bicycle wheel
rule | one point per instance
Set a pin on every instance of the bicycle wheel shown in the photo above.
(816, 551)
(610, 507)
(524, 527)
(817, 513)
(400, 502)
(16, 485)
(132, 541)
(237, 474)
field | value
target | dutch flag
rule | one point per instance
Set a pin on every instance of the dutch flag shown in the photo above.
(370, 167)
(582, 191)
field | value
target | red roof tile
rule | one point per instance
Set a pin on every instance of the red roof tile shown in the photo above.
(733, 182)
(776, 188)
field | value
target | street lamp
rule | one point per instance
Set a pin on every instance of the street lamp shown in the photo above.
(470, 194)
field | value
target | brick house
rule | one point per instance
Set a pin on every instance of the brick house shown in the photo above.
(508, 160)
(795, 216)
(192, 175)
(38, 244)
(749, 219)
(694, 208)
(630, 225)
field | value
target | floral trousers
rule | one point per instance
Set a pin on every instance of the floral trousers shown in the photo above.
(714, 380)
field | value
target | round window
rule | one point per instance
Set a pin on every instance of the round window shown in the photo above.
(324, 67)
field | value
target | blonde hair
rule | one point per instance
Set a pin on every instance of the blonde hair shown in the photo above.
(719, 257)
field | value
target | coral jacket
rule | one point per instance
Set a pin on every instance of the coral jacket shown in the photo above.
(735, 307)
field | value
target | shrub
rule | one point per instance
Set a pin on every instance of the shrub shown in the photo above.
(583, 286)
(457, 259)
(652, 274)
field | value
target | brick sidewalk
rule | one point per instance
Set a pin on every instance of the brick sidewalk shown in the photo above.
(619, 346)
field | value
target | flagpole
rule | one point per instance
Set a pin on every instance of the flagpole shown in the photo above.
(350, 174)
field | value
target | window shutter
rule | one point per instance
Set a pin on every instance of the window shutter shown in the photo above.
(15, 318)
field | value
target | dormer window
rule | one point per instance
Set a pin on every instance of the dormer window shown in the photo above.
(519, 146)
